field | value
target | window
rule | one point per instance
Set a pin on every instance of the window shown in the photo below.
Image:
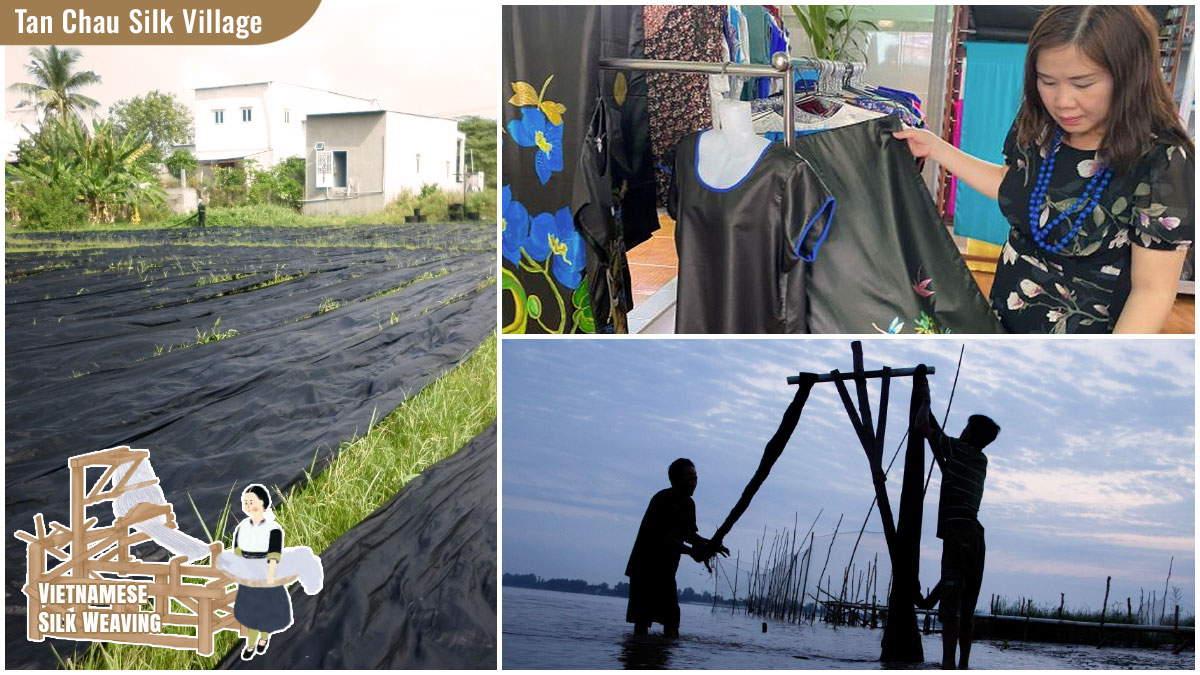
(287, 116)
(218, 117)
(245, 114)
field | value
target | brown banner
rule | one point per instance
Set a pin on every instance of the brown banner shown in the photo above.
(151, 22)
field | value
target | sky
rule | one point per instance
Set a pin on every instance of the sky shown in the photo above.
(1093, 473)
(439, 59)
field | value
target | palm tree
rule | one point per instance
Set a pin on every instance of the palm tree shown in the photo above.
(55, 89)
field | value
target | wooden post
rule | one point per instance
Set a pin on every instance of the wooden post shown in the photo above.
(903, 642)
(1062, 599)
(1028, 607)
(204, 634)
(1103, 610)
(1177, 643)
(36, 564)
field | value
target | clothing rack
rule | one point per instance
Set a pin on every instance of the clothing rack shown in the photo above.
(781, 66)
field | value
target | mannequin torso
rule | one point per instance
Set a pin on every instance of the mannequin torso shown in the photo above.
(726, 155)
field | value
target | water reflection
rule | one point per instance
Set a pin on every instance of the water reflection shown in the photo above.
(646, 652)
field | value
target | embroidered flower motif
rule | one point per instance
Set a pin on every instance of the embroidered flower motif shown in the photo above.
(1121, 239)
(1054, 315)
(1101, 309)
(533, 130)
(1015, 301)
(514, 226)
(1182, 245)
(1111, 270)
(1035, 262)
(921, 288)
(1169, 222)
(894, 327)
(1089, 167)
(1062, 290)
(1030, 289)
(1008, 254)
(553, 237)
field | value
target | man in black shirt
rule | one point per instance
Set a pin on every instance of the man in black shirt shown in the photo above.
(964, 468)
(667, 529)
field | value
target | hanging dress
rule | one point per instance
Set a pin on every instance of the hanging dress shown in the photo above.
(1083, 288)
(740, 248)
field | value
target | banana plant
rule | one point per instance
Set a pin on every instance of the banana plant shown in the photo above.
(100, 166)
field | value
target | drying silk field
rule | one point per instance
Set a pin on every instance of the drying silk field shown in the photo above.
(235, 355)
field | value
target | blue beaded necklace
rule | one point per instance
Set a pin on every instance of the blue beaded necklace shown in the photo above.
(1079, 210)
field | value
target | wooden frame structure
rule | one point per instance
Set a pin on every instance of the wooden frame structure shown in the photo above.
(89, 554)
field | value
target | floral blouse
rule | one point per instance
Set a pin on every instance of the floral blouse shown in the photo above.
(1083, 288)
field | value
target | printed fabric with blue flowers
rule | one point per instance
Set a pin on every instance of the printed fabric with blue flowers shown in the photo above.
(544, 272)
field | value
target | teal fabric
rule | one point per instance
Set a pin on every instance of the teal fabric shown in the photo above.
(991, 99)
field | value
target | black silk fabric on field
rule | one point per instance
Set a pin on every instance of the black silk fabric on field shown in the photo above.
(264, 405)
(412, 586)
(888, 264)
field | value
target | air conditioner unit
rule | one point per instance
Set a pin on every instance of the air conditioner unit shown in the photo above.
(320, 147)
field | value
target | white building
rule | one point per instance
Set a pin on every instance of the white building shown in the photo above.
(263, 121)
(358, 162)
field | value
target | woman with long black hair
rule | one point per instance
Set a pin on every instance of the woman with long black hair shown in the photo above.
(1098, 183)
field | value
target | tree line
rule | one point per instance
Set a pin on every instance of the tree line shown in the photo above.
(70, 172)
(620, 590)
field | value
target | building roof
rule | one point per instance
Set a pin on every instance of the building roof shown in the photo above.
(379, 112)
(290, 84)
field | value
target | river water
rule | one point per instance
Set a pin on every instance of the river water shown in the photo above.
(548, 629)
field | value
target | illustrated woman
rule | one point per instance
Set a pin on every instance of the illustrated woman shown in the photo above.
(266, 609)
(1098, 182)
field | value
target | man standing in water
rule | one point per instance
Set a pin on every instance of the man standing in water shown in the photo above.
(964, 468)
(667, 529)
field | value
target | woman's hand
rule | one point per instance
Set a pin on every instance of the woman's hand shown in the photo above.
(271, 564)
(983, 176)
(1154, 280)
(921, 142)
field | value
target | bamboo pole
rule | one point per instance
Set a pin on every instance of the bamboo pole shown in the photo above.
(1104, 609)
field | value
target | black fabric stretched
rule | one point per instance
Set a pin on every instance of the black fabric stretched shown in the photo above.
(886, 237)
(262, 406)
(412, 586)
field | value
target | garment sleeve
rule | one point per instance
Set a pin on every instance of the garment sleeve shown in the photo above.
(808, 210)
(1162, 207)
(940, 446)
(237, 548)
(275, 544)
(1010, 145)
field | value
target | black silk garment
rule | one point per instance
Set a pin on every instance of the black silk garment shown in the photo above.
(741, 248)
(749, 260)
(888, 264)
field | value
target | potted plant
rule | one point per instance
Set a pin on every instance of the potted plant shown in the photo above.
(834, 32)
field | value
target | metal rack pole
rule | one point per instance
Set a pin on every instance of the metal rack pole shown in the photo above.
(780, 67)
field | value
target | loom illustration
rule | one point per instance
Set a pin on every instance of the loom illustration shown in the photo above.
(194, 600)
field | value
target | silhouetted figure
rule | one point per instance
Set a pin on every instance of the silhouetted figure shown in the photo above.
(667, 529)
(202, 214)
(964, 468)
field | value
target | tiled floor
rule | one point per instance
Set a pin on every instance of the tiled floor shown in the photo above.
(653, 264)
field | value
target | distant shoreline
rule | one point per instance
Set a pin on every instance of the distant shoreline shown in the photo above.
(620, 590)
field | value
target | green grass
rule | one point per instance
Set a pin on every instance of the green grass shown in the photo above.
(368, 471)
(434, 205)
